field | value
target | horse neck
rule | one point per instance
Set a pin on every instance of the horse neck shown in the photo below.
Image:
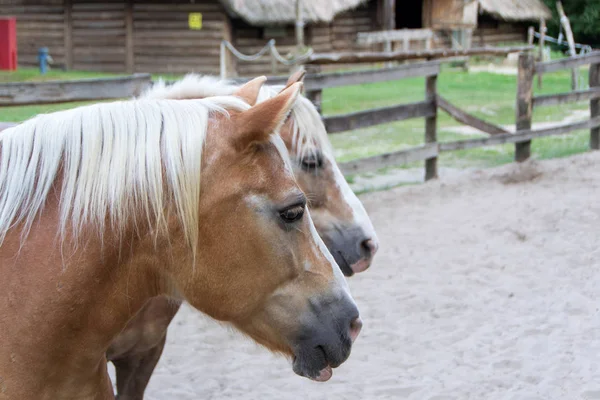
(65, 306)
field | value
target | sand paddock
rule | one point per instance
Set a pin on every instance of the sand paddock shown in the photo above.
(487, 286)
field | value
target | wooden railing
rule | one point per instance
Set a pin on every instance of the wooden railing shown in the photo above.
(23, 93)
(95, 89)
(427, 109)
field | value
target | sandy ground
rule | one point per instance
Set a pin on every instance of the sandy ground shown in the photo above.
(487, 286)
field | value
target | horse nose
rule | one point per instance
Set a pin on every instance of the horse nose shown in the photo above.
(370, 246)
(355, 327)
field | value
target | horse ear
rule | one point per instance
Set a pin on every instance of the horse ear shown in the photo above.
(250, 90)
(297, 76)
(259, 122)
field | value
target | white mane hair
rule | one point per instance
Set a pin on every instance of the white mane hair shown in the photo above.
(308, 129)
(112, 160)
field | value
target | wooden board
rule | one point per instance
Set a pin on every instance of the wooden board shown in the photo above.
(22, 93)
(526, 135)
(567, 63)
(396, 158)
(561, 98)
(363, 119)
(374, 57)
(469, 119)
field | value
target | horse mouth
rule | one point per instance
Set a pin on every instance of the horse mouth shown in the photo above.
(343, 264)
(314, 374)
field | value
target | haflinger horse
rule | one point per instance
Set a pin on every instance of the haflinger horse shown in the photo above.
(339, 217)
(103, 207)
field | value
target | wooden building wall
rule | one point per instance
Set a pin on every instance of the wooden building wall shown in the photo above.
(39, 24)
(163, 42)
(120, 36)
(154, 36)
(97, 35)
(492, 32)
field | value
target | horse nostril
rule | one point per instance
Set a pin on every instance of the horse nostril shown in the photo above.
(355, 327)
(370, 246)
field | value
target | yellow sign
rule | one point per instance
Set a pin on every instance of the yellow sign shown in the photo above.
(195, 21)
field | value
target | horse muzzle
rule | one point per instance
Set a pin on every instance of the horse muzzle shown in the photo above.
(325, 338)
(352, 249)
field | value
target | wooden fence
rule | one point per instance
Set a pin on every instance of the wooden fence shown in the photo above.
(429, 151)
(23, 93)
(95, 89)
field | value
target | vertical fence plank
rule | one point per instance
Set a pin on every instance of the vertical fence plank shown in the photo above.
(524, 103)
(431, 168)
(68, 35)
(542, 45)
(316, 97)
(129, 57)
(594, 106)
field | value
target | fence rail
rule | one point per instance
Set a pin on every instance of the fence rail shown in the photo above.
(375, 57)
(24, 93)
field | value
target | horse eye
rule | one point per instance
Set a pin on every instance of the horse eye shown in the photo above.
(292, 214)
(312, 161)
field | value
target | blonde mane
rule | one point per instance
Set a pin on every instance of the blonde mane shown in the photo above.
(308, 129)
(116, 160)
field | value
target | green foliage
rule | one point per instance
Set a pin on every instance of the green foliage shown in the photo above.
(583, 16)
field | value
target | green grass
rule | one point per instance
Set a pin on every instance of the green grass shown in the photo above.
(33, 75)
(486, 95)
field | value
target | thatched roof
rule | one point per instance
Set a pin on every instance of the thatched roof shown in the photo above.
(515, 10)
(271, 12)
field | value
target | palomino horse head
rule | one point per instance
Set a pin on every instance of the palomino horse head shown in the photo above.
(281, 279)
(338, 214)
(125, 179)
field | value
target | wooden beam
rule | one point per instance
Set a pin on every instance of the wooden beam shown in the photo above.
(431, 168)
(396, 158)
(389, 14)
(530, 35)
(468, 119)
(363, 119)
(518, 137)
(524, 103)
(129, 56)
(299, 25)
(374, 57)
(329, 80)
(68, 8)
(594, 79)
(564, 20)
(541, 45)
(366, 38)
(561, 98)
(566, 63)
(23, 93)
(321, 81)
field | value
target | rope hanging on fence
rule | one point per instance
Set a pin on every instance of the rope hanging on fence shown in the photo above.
(269, 47)
(585, 48)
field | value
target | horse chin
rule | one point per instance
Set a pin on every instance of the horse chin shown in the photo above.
(313, 367)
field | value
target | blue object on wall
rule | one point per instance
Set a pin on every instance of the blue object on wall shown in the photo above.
(43, 59)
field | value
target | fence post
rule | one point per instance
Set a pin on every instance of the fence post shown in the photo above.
(524, 103)
(431, 169)
(594, 106)
(316, 96)
(542, 45)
